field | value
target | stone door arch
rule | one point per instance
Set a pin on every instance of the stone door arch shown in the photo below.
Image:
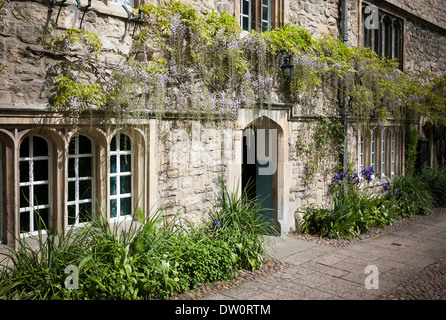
(261, 146)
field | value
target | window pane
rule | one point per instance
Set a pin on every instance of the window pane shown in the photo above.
(113, 208)
(124, 142)
(113, 186)
(85, 212)
(71, 191)
(264, 26)
(125, 184)
(84, 145)
(41, 219)
(85, 189)
(113, 144)
(71, 168)
(85, 167)
(245, 24)
(265, 2)
(72, 146)
(113, 164)
(40, 194)
(71, 215)
(40, 147)
(24, 197)
(24, 148)
(24, 171)
(126, 164)
(24, 221)
(40, 170)
(265, 13)
(126, 206)
(245, 7)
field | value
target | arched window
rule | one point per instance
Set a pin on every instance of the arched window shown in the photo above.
(80, 180)
(120, 176)
(34, 184)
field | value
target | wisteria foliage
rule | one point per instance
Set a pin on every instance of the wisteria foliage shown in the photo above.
(204, 66)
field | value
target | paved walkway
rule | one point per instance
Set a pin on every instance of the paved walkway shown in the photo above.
(326, 272)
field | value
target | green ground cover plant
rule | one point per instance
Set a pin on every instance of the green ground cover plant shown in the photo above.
(152, 258)
(355, 208)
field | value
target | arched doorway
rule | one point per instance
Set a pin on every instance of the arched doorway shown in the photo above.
(260, 150)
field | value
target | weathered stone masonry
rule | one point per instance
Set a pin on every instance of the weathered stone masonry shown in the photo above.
(177, 165)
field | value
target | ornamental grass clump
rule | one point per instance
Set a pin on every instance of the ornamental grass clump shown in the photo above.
(239, 222)
(414, 196)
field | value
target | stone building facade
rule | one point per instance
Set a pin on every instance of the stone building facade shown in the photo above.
(164, 163)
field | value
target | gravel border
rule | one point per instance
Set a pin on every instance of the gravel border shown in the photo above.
(268, 267)
(428, 284)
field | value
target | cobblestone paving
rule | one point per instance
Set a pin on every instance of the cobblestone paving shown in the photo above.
(410, 257)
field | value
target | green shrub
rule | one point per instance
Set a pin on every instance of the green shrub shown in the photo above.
(435, 180)
(152, 258)
(413, 196)
(354, 210)
(239, 222)
(411, 143)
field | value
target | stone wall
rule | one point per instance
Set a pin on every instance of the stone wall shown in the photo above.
(190, 159)
(425, 49)
(315, 192)
(29, 70)
(425, 44)
(187, 158)
(431, 10)
(317, 16)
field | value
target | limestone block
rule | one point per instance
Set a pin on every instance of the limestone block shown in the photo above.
(5, 97)
(28, 34)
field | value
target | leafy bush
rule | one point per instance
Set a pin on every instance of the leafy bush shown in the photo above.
(435, 180)
(413, 196)
(239, 222)
(354, 210)
(411, 142)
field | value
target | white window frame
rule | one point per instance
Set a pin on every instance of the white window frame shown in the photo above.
(373, 150)
(77, 201)
(130, 3)
(31, 183)
(118, 174)
(383, 153)
(393, 154)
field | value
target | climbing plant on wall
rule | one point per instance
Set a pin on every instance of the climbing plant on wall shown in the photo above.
(204, 66)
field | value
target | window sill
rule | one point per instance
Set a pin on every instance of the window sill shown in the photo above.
(33, 234)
